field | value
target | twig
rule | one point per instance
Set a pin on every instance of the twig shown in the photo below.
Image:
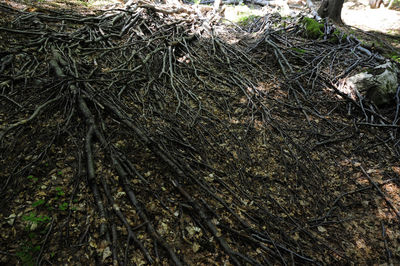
(389, 203)
(37, 111)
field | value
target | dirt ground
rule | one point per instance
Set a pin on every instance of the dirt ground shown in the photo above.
(359, 14)
(156, 135)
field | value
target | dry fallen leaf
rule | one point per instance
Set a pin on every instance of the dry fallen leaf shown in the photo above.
(195, 247)
(106, 253)
(11, 219)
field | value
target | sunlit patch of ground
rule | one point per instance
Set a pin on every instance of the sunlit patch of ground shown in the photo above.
(240, 13)
(360, 15)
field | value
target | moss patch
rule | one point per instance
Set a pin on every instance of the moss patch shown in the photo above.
(337, 36)
(244, 20)
(313, 29)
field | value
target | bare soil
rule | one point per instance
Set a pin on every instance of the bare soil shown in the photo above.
(360, 15)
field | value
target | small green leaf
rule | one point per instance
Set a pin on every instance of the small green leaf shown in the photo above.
(29, 217)
(60, 192)
(38, 203)
(63, 206)
(31, 177)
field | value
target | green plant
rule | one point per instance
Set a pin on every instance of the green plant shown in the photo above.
(337, 36)
(63, 206)
(48, 206)
(246, 19)
(395, 57)
(32, 217)
(31, 177)
(80, 2)
(313, 29)
(60, 192)
(27, 252)
(298, 50)
(38, 203)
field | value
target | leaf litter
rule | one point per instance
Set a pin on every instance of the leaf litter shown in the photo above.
(144, 134)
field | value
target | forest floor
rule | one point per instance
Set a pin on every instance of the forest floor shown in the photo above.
(154, 134)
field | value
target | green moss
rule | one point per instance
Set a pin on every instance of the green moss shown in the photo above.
(298, 50)
(394, 57)
(337, 36)
(313, 29)
(246, 19)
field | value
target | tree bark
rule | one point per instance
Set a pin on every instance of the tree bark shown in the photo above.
(331, 9)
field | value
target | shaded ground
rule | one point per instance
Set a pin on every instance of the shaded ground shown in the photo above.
(140, 136)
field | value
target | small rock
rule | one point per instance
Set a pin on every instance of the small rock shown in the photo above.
(379, 84)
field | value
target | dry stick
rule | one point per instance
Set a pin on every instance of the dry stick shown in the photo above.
(395, 120)
(24, 121)
(337, 252)
(381, 193)
(93, 129)
(330, 141)
(131, 195)
(267, 236)
(55, 66)
(328, 213)
(171, 73)
(260, 241)
(378, 125)
(114, 242)
(23, 31)
(125, 183)
(12, 101)
(35, 113)
(92, 180)
(388, 252)
(43, 243)
(159, 152)
(121, 216)
(211, 227)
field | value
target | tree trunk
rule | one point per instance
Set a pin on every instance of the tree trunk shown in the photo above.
(331, 9)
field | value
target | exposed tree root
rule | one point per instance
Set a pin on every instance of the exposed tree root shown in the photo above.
(189, 149)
